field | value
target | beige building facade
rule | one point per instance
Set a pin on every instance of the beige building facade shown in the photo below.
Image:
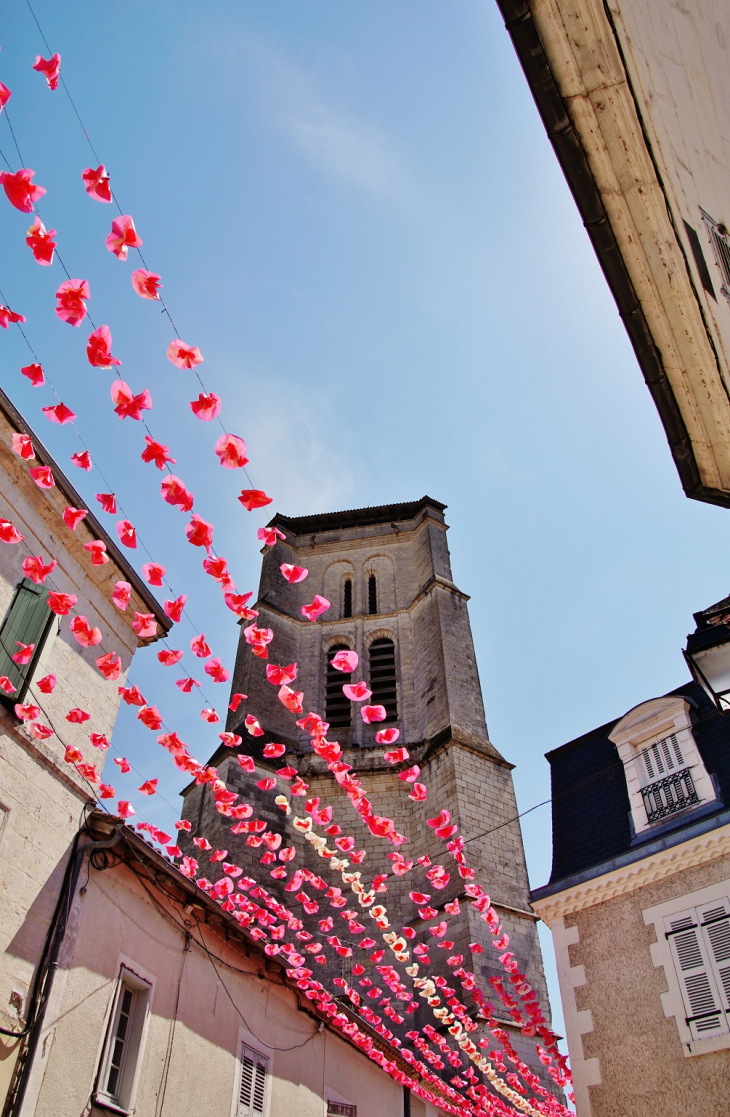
(43, 799)
(635, 99)
(208, 1023)
(639, 909)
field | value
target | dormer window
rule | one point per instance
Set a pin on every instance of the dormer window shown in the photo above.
(665, 773)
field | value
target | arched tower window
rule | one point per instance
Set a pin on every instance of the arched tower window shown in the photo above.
(372, 594)
(347, 598)
(382, 677)
(337, 708)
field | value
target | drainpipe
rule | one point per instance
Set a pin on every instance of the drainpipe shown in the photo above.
(49, 960)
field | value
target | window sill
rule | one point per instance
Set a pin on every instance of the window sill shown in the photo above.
(676, 821)
(109, 1106)
(706, 1046)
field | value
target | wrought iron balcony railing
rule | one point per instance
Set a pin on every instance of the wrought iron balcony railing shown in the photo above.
(669, 795)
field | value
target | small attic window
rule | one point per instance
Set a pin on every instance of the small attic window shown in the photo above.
(665, 773)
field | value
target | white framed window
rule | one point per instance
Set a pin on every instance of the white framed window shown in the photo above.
(122, 1051)
(253, 1083)
(665, 773)
(720, 241)
(341, 1109)
(693, 946)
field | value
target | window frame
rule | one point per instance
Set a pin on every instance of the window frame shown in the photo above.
(718, 236)
(689, 912)
(247, 1041)
(123, 1098)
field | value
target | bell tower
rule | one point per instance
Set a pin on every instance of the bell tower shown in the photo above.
(386, 572)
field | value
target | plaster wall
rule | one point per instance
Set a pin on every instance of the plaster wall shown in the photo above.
(198, 1017)
(646, 88)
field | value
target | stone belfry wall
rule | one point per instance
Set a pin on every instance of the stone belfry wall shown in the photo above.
(440, 715)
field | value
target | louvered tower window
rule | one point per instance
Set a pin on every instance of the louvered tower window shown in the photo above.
(252, 1087)
(347, 598)
(700, 944)
(372, 594)
(383, 678)
(337, 708)
(28, 621)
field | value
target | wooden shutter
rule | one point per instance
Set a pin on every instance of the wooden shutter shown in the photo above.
(28, 620)
(703, 1002)
(663, 757)
(252, 1087)
(715, 924)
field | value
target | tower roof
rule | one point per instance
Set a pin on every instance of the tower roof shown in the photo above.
(355, 517)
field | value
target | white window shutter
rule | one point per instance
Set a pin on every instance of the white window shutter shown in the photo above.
(715, 922)
(703, 1002)
(252, 1086)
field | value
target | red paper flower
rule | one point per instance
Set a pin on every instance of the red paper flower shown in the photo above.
(7, 316)
(199, 531)
(99, 348)
(231, 451)
(110, 666)
(20, 190)
(127, 405)
(59, 414)
(87, 636)
(51, 67)
(72, 517)
(269, 535)
(97, 550)
(154, 573)
(61, 603)
(34, 373)
(293, 574)
(22, 446)
(108, 502)
(83, 460)
(9, 533)
(254, 498)
(156, 452)
(42, 476)
(174, 609)
(121, 595)
(41, 243)
(175, 492)
(318, 606)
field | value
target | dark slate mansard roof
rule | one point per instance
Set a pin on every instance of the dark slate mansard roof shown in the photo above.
(590, 800)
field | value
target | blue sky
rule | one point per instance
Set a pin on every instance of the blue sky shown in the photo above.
(359, 220)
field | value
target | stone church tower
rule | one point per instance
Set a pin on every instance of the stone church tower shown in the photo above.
(387, 573)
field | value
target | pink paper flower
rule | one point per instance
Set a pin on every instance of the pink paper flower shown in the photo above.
(146, 284)
(97, 550)
(207, 406)
(182, 355)
(96, 183)
(123, 237)
(345, 661)
(254, 498)
(231, 451)
(71, 299)
(372, 713)
(42, 476)
(127, 533)
(154, 573)
(37, 570)
(318, 606)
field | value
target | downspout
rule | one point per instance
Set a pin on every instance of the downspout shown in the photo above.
(49, 961)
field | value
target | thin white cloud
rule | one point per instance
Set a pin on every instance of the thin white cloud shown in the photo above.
(338, 144)
(298, 448)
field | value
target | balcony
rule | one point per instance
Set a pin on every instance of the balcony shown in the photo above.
(669, 795)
